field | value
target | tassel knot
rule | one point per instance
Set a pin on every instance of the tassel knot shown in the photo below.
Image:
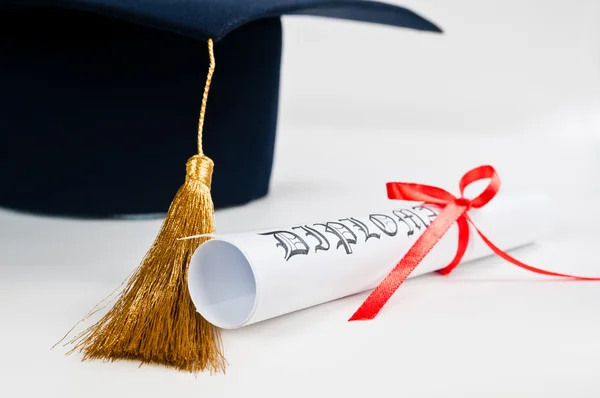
(200, 168)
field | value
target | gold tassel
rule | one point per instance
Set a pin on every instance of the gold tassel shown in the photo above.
(154, 319)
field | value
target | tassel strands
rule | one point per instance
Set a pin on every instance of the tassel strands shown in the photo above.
(154, 320)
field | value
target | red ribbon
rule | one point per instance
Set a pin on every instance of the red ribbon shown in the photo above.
(454, 210)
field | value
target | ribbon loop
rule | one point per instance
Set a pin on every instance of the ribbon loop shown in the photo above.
(454, 210)
(418, 192)
(478, 174)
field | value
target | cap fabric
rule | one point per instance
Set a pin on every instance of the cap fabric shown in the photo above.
(99, 99)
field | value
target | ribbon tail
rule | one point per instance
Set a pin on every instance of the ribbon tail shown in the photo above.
(423, 245)
(463, 243)
(518, 263)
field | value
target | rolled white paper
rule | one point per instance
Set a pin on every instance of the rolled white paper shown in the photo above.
(243, 278)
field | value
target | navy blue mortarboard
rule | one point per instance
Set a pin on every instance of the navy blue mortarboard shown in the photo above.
(99, 99)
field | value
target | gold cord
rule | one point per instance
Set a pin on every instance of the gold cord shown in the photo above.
(211, 70)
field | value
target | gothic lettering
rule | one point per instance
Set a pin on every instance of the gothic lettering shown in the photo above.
(291, 243)
(345, 236)
(361, 226)
(321, 239)
(386, 224)
(431, 215)
(409, 218)
(314, 238)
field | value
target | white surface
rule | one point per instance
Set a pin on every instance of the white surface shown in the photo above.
(506, 85)
(239, 279)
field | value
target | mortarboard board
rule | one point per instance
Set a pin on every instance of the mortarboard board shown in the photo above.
(99, 99)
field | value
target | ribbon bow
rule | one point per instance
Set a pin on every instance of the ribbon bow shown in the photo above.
(454, 210)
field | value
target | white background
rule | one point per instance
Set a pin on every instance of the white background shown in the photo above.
(515, 84)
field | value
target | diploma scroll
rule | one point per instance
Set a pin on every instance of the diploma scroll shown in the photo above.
(243, 278)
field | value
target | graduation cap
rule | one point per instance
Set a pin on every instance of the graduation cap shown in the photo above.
(99, 103)
(99, 99)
